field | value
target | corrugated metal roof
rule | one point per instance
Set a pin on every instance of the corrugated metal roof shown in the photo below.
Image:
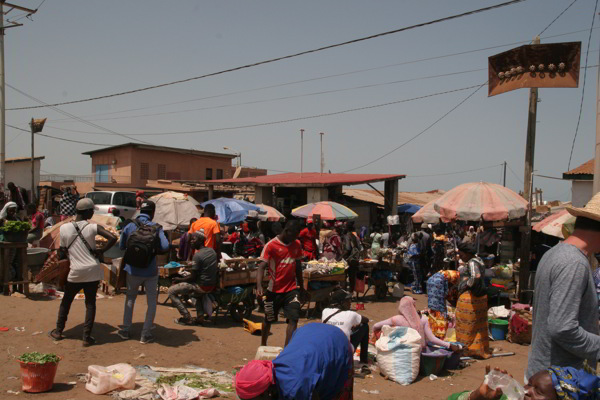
(162, 148)
(586, 168)
(418, 198)
(23, 159)
(309, 179)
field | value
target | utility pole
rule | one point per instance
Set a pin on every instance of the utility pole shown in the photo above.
(322, 155)
(504, 177)
(32, 160)
(527, 187)
(596, 187)
(2, 86)
(301, 151)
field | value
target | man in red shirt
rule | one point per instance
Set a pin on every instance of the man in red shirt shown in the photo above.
(282, 257)
(308, 239)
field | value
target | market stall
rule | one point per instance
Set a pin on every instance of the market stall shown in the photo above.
(320, 278)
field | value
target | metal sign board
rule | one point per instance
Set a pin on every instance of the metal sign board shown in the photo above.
(535, 66)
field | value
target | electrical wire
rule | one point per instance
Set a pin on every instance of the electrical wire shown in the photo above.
(285, 97)
(322, 77)
(515, 174)
(583, 86)
(302, 53)
(230, 128)
(557, 17)
(447, 113)
(74, 141)
(74, 116)
(454, 173)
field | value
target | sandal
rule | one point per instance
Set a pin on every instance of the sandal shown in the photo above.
(88, 341)
(55, 335)
(184, 321)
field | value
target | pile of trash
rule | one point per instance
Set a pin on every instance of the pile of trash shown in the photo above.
(124, 382)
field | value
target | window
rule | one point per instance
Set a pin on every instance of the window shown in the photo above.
(208, 174)
(219, 174)
(125, 199)
(102, 173)
(99, 198)
(144, 171)
(162, 171)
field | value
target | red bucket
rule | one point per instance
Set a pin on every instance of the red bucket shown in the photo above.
(37, 378)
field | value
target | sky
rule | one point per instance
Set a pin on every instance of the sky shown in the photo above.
(80, 49)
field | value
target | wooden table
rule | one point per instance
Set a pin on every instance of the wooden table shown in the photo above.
(5, 250)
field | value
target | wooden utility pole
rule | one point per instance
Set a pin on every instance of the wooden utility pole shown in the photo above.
(596, 187)
(528, 177)
(301, 151)
(504, 175)
(32, 160)
(322, 155)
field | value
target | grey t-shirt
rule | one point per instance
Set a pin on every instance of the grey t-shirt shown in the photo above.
(565, 312)
(205, 265)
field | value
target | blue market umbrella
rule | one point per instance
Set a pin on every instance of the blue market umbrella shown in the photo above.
(232, 211)
(408, 208)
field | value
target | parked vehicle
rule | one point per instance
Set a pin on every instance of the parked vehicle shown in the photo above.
(105, 202)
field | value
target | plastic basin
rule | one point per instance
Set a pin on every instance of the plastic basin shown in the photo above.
(498, 328)
(432, 362)
(36, 256)
(37, 378)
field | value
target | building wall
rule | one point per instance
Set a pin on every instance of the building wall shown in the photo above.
(125, 166)
(581, 192)
(249, 172)
(20, 173)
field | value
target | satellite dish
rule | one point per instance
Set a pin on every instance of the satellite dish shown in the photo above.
(237, 173)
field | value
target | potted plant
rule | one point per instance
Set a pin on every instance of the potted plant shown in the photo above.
(15, 231)
(38, 371)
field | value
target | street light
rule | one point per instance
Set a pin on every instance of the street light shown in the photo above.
(238, 154)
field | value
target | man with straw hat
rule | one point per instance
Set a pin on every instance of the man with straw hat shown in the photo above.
(565, 313)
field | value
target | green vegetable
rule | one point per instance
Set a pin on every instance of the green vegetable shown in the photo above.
(15, 226)
(39, 358)
(194, 381)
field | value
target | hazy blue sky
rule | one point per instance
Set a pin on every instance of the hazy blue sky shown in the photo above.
(79, 49)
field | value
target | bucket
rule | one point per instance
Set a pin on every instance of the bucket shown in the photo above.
(37, 378)
(433, 362)
(498, 328)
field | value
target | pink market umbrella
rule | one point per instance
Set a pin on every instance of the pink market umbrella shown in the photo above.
(328, 210)
(427, 214)
(271, 213)
(559, 224)
(480, 200)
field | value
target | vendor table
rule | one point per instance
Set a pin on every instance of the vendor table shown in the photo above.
(5, 250)
(319, 295)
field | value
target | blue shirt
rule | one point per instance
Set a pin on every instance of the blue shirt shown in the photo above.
(317, 359)
(152, 270)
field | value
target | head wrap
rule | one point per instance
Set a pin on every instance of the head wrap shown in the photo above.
(254, 379)
(4, 212)
(309, 220)
(407, 309)
(571, 383)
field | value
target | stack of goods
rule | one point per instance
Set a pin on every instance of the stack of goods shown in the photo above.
(239, 264)
(503, 279)
(392, 256)
(519, 324)
(326, 267)
(101, 241)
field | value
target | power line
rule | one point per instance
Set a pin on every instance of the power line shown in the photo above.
(455, 173)
(515, 175)
(583, 87)
(322, 77)
(446, 114)
(288, 120)
(286, 97)
(73, 141)
(74, 116)
(556, 19)
(302, 53)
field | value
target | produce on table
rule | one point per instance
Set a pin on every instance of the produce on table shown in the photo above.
(100, 240)
(15, 226)
(39, 358)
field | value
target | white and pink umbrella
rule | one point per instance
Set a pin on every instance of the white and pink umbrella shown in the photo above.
(427, 214)
(270, 213)
(480, 200)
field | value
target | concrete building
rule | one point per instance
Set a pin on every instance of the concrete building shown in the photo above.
(131, 165)
(18, 171)
(582, 182)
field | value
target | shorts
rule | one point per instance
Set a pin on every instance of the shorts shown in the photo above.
(289, 301)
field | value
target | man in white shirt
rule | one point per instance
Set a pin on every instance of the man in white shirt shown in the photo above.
(78, 243)
(354, 325)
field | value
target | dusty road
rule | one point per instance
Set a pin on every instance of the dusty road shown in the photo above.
(219, 347)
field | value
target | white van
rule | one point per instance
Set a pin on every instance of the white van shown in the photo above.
(105, 202)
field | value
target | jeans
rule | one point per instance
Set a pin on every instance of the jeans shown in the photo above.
(360, 335)
(71, 290)
(186, 289)
(151, 287)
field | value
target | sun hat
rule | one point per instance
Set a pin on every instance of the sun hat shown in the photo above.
(591, 210)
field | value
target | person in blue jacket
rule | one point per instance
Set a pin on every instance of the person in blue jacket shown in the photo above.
(316, 364)
(142, 276)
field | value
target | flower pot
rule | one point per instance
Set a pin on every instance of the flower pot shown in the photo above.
(15, 236)
(37, 378)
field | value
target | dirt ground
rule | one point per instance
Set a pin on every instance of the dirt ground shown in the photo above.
(219, 347)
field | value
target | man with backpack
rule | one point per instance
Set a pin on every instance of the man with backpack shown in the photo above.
(142, 240)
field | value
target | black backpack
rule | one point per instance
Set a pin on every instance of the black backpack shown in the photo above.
(142, 245)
